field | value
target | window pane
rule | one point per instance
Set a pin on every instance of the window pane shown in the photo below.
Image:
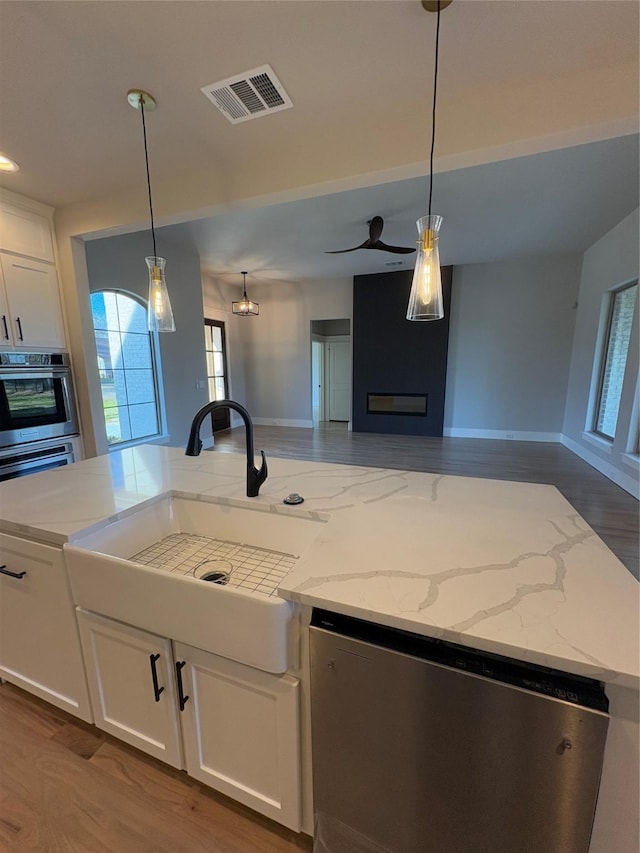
(136, 351)
(117, 423)
(212, 389)
(615, 360)
(144, 420)
(114, 392)
(216, 334)
(131, 315)
(210, 368)
(219, 389)
(98, 311)
(140, 387)
(218, 366)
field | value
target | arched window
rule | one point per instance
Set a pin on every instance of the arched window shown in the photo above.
(127, 365)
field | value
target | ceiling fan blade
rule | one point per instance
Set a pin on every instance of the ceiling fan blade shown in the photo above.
(364, 245)
(375, 230)
(396, 250)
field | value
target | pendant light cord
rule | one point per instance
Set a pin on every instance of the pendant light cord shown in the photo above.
(433, 116)
(146, 159)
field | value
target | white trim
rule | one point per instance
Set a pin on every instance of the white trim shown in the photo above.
(284, 422)
(604, 445)
(631, 460)
(604, 466)
(515, 435)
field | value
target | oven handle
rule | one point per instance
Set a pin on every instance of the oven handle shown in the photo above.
(5, 571)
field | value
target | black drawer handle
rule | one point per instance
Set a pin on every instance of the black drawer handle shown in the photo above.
(182, 699)
(154, 675)
(6, 328)
(21, 336)
(5, 571)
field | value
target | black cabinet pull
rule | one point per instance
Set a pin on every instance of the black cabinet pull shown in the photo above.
(6, 328)
(182, 699)
(20, 335)
(5, 571)
(154, 675)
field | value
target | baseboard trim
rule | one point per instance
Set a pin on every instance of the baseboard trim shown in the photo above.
(603, 466)
(505, 435)
(283, 422)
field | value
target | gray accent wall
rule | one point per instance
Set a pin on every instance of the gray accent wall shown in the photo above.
(118, 262)
(510, 343)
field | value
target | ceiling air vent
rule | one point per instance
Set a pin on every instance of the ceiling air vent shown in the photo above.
(250, 95)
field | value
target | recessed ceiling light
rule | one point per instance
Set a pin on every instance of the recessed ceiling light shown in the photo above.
(7, 164)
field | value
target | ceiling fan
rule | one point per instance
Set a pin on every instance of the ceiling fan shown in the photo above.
(374, 241)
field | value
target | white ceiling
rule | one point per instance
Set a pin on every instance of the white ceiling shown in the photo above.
(359, 74)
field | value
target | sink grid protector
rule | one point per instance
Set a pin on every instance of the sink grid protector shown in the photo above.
(256, 569)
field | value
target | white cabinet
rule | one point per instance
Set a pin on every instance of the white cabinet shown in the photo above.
(39, 643)
(239, 726)
(130, 675)
(25, 231)
(242, 732)
(30, 317)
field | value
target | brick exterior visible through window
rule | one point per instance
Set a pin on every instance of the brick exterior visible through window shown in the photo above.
(615, 359)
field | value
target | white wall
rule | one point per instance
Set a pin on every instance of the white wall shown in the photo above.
(610, 262)
(275, 347)
(119, 262)
(511, 329)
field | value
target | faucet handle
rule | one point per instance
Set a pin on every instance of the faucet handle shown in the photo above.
(262, 473)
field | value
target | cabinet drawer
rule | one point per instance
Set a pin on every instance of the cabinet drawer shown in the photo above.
(39, 642)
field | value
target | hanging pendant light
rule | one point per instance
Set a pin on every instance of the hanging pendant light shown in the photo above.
(245, 307)
(159, 314)
(425, 300)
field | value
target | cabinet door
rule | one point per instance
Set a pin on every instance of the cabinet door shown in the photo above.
(241, 733)
(39, 642)
(25, 232)
(6, 326)
(34, 303)
(127, 701)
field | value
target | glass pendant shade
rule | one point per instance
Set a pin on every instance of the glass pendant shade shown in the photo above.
(245, 307)
(160, 315)
(425, 300)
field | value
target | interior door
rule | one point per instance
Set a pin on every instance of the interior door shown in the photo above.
(339, 359)
(215, 348)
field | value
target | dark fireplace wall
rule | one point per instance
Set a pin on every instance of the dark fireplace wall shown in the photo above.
(393, 356)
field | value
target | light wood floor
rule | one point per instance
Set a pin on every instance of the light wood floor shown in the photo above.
(608, 509)
(65, 787)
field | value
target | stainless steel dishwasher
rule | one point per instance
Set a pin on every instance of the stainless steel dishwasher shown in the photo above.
(422, 746)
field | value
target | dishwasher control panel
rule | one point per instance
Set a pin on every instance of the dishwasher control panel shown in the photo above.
(553, 683)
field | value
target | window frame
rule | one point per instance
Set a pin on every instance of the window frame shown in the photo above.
(604, 348)
(156, 372)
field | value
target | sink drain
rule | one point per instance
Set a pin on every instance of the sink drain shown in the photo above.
(215, 577)
(214, 571)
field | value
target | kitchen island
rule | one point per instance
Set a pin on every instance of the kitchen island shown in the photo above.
(507, 568)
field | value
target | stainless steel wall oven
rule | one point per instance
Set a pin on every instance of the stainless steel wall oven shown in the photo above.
(36, 398)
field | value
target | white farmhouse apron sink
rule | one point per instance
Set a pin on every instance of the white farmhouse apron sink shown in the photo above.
(241, 624)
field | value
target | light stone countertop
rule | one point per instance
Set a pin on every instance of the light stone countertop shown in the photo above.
(505, 567)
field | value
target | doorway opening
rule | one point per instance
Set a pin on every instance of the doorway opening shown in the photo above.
(331, 370)
(218, 387)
